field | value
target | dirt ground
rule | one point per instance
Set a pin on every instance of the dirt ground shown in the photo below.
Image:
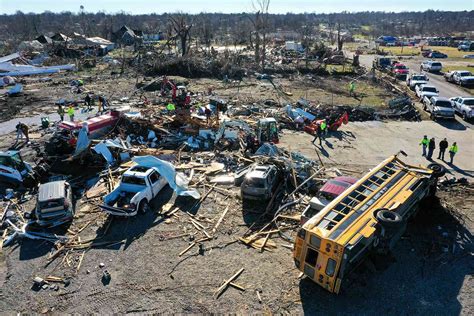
(41, 93)
(148, 274)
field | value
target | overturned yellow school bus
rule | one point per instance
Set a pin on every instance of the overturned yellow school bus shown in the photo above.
(369, 216)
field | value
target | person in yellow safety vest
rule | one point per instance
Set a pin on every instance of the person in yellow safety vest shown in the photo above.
(424, 143)
(452, 151)
(70, 112)
(170, 107)
(351, 88)
(323, 127)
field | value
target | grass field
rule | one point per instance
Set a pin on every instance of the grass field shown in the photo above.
(452, 52)
(448, 67)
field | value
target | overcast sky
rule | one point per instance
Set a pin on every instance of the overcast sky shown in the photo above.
(229, 6)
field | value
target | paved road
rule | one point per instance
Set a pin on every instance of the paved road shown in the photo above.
(365, 144)
(445, 88)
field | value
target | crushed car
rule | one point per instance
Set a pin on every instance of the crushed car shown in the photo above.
(54, 204)
(14, 172)
(260, 183)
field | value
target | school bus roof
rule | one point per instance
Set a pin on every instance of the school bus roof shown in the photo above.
(351, 214)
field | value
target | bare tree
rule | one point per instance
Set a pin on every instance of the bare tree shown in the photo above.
(340, 38)
(205, 32)
(182, 31)
(260, 23)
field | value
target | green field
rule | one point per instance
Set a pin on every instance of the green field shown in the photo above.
(452, 52)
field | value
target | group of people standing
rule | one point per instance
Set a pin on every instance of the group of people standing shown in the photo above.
(88, 101)
(429, 145)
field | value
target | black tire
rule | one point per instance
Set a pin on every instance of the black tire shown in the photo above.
(432, 117)
(388, 218)
(144, 207)
(438, 170)
(464, 116)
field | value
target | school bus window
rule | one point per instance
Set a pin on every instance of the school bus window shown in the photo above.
(302, 233)
(337, 216)
(315, 241)
(309, 271)
(341, 208)
(311, 257)
(331, 267)
(349, 202)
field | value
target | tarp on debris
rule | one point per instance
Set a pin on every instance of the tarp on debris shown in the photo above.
(268, 150)
(294, 113)
(18, 88)
(103, 148)
(177, 181)
(10, 69)
(82, 141)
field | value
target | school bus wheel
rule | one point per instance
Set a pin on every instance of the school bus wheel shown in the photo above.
(388, 218)
(438, 170)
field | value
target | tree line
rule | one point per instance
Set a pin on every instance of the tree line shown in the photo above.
(238, 28)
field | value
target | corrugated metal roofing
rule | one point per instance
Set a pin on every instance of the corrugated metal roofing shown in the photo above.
(337, 185)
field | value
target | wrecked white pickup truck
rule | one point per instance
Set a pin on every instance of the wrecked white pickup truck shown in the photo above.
(138, 186)
(141, 183)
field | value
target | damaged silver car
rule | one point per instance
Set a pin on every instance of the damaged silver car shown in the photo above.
(54, 205)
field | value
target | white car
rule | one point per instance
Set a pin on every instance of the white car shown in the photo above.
(416, 79)
(431, 66)
(464, 107)
(463, 78)
(425, 90)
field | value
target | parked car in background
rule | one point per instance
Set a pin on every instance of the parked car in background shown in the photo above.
(438, 107)
(328, 192)
(426, 52)
(382, 63)
(461, 77)
(138, 186)
(54, 205)
(426, 90)
(464, 107)
(416, 79)
(260, 183)
(466, 46)
(470, 56)
(399, 71)
(431, 66)
(436, 54)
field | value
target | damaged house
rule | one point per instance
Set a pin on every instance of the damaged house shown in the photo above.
(127, 37)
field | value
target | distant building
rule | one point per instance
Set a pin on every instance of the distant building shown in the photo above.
(127, 37)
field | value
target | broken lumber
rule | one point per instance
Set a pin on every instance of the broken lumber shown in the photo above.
(262, 248)
(237, 286)
(80, 262)
(220, 219)
(224, 286)
(305, 181)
